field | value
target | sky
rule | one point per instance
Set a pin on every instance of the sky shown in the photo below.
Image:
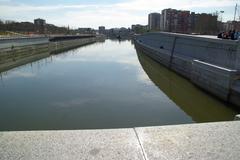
(109, 13)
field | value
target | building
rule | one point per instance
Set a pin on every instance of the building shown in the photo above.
(169, 20)
(102, 30)
(86, 31)
(154, 21)
(179, 21)
(173, 20)
(183, 22)
(204, 23)
(138, 28)
(40, 26)
(231, 25)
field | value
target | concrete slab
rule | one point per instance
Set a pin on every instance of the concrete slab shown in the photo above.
(190, 142)
(208, 141)
(57, 145)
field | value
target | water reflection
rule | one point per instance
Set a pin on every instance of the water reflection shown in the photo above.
(102, 85)
(196, 103)
(97, 86)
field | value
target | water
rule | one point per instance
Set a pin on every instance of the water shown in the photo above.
(103, 85)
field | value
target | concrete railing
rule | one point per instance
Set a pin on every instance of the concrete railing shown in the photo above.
(210, 63)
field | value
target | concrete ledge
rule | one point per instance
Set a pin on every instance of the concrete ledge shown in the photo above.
(199, 141)
(215, 79)
(208, 141)
(62, 145)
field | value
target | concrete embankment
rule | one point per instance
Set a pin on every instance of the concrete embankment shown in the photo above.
(208, 141)
(211, 64)
(190, 99)
(16, 52)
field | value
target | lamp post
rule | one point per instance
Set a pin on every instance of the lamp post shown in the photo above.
(221, 15)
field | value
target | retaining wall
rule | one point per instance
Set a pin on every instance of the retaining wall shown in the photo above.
(211, 64)
(17, 42)
(22, 51)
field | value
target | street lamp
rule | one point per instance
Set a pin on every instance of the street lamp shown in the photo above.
(221, 15)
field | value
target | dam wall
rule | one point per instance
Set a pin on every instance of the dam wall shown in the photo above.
(16, 52)
(210, 63)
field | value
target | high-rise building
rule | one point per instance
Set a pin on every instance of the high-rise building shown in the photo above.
(169, 19)
(40, 25)
(176, 21)
(102, 30)
(204, 23)
(179, 21)
(154, 21)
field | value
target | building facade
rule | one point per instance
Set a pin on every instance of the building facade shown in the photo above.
(102, 30)
(231, 25)
(154, 21)
(179, 21)
(204, 23)
(138, 28)
(176, 21)
(40, 26)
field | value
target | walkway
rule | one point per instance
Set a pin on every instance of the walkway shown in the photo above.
(195, 141)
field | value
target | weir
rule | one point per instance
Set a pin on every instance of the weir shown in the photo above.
(209, 63)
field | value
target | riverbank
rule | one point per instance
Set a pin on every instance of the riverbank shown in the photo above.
(208, 141)
(210, 63)
(16, 52)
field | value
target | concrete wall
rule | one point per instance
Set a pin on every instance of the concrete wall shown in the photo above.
(215, 51)
(17, 42)
(213, 78)
(25, 51)
(210, 63)
(238, 57)
(56, 47)
(10, 58)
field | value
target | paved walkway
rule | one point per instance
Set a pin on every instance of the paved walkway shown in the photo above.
(212, 141)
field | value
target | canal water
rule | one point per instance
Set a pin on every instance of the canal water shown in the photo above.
(103, 85)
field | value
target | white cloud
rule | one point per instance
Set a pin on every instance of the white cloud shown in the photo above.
(116, 15)
(157, 5)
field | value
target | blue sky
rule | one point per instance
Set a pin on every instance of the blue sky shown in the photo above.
(110, 13)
